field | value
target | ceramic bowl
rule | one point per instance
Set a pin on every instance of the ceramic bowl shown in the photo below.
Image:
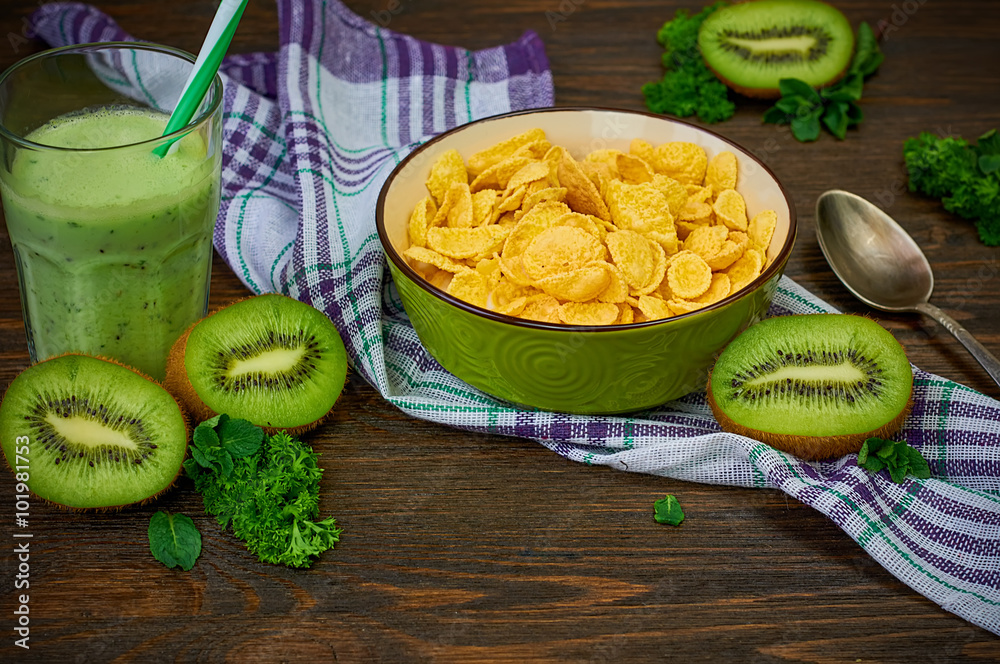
(577, 369)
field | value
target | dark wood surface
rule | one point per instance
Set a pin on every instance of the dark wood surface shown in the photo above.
(468, 548)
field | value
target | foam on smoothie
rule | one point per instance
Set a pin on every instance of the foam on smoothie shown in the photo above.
(127, 176)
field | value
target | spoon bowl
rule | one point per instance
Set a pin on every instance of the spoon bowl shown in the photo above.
(878, 261)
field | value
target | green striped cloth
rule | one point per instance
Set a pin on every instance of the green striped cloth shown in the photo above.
(313, 131)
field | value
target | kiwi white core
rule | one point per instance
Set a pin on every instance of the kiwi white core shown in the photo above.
(798, 44)
(270, 361)
(87, 432)
(839, 373)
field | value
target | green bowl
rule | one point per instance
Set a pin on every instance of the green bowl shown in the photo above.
(578, 369)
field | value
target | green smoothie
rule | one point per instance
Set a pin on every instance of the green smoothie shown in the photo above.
(113, 247)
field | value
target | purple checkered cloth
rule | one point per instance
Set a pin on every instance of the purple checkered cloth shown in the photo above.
(312, 132)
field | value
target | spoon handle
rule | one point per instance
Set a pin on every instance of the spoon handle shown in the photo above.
(985, 357)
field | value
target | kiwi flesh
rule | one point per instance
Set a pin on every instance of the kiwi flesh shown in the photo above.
(98, 434)
(269, 359)
(812, 385)
(750, 46)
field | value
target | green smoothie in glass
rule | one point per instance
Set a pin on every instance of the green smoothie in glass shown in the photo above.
(113, 243)
(114, 249)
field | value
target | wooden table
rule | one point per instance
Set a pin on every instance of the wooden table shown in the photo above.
(462, 547)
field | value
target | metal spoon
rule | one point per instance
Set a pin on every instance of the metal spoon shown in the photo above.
(881, 264)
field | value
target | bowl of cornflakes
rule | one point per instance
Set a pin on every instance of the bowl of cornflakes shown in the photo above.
(583, 260)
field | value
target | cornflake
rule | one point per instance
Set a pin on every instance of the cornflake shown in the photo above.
(524, 229)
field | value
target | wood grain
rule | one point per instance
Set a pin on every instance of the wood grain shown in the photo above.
(472, 548)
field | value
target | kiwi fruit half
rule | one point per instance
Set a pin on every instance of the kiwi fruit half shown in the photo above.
(751, 46)
(269, 359)
(91, 433)
(813, 385)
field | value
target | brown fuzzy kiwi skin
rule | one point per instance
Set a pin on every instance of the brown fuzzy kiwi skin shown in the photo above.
(145, 501)
(180, 387)
(809, 448)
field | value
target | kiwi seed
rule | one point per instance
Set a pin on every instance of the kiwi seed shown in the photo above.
(97, 434)
(813, 385)
(269, 359)
(752, 45)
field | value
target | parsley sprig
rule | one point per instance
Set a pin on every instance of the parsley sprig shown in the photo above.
(965, 177)
(688, 87)
(835, 107)
(266, 488)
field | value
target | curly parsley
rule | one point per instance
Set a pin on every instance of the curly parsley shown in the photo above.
(266, 488)
(688, 87)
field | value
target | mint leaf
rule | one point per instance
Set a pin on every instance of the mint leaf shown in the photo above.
(806, 129)
(867, 55)
(790, 87)
(668, 510)
(240, 438)
(775, 115)
(201, 458)
(835, 119)
(205, 438)
(900, 459)
(174, 540)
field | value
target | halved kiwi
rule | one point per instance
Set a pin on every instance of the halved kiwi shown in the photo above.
(752, 45)
(813, 385)
(269, 359)
(91, 433)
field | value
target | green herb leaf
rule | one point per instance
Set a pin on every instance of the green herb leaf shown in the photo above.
(205, 438)
(687, 87)
(240, 437)
(806, 129)
(201, 458)
(174, 540)
(791, 87)
(900, 459)
(835, 119)
(775, 115)
(668, 510)
(867, 55)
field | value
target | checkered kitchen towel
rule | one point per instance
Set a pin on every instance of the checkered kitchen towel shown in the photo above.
(314, 130)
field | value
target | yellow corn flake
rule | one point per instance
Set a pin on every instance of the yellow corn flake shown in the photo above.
(440, 279)
(666, 239)
(541, 217)
(706, 241)
(447, 170)
(698, 194)
(579, 285)
(688, 275)
(557, 194)
(675, 193)
(483, 204)
(559, 249)
(653, 308)
(493, 155)
(684, 162)
(607, 157)
(424, 255)
(638, 207)
(581, 194)
(508, 219)
(497, 175)
(456, 209)
(599, 174)
(469, 286)
(507, 291)
(588, 313)
(731, 209)
(513, 269)
(633, 169)
(721, 171)
(746, 269)
(634, 255)
(617, 290)
(530, 172)
(740, 238)
(679, 306)
(510, 201)
(727, 254)
(642, 149)
(534, 149)
(467, 242)
(626, 314)
(700, 213)
(719, 289)
(420, 221)
(761, 228)
(513, 308)
(542, 308)
(490, 268)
